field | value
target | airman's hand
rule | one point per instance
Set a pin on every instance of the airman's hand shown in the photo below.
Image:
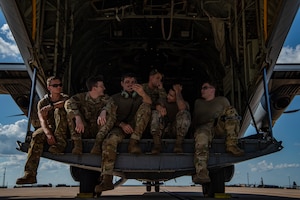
(161, 110)
(50, 138)
(177, 88)
(160, 85)
(126, 128)
(59, 104)
(79, 128)
(138, 89)
(102, 118)
(44, 110)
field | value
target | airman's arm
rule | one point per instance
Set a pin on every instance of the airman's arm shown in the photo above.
(72, 105)
(72, 108)
(108, 112)
(181, 104)
(139, 89)
(43, 115)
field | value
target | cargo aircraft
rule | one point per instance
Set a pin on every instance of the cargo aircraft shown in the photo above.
(235, 42)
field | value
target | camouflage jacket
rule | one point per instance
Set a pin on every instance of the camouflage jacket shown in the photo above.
(88, 108)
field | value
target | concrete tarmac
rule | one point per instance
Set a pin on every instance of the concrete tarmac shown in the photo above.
(139, 192)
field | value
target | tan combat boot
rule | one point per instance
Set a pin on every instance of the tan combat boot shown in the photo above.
(106, 184)
(77, 149)
(231, 145)
(235, 150)
(97, 148)
(133, 146)
(157, 144)
(201, 177)
(56, 149)
(178, 144)
(28, 178)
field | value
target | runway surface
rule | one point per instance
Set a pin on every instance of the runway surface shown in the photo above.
(139, 192)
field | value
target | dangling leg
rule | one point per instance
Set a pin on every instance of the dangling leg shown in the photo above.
(232, 127)
(156, 131)
(109, 155)
(142, 118)
(104, 130)
(183, 122)
(33, 158)
(202, 142)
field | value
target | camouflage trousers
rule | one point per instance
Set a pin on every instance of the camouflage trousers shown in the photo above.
(39, 139)
(116, 135)
(91, 128)
(227, 125)
(166, 129)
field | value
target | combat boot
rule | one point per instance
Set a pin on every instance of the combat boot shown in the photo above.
(133, 146)
(97, 148)
(56, 149)
(106, 184)
(178, 144)
(235, 150)
(231, 145)
(77, 149)
(201, 177)
(157, 144)
(28, 178)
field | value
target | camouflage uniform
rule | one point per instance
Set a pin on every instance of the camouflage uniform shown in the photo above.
(212, 118)
(89, 109)
(154, 94)
(132, 111)
(58, 123)
(175, 123)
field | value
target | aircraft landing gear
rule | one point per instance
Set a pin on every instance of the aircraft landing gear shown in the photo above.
(156, 185)
(148, 186)
(88, 179)
(218, 178)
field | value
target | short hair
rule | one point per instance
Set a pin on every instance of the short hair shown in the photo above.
(214, 84)
(155, 71)
(128, 75)
(92, 81)
(211, 82)
(52, 78)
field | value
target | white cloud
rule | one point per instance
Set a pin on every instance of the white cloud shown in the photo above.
(49, 165)
(9, 134)
(6, 31)
(289, 55)
(264, 166)
(285, 165)
(12, 160)
(8, 47)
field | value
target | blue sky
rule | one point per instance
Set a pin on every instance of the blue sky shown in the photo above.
(281, 168)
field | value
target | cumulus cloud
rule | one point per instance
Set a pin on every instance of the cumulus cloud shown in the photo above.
(9, 134)
(289, 55)
(8, 47)
(264, 166)
(12, 160)
(6, 31)
(50, 165)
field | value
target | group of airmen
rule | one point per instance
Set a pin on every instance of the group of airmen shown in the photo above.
(127, 114)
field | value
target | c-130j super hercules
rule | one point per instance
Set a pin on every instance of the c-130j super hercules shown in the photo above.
(233, 42)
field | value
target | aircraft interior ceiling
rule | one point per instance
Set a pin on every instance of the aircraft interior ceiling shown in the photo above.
(91, 37)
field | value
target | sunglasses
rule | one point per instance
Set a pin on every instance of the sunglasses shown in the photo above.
(57, 85)
(206, 87)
